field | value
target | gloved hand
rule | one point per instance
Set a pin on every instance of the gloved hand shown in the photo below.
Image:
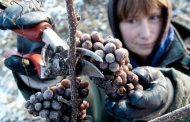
(19, 16)
(147, 104)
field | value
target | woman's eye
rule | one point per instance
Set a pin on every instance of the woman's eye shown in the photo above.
(132, 21)
(155, 18)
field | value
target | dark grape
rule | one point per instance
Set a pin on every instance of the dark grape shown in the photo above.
(44, 113)
(83, 93)
(46, 104)
(38, 106)
(56, 105)
(31, 108)
(60, 90)
(39, 96)
(66, 118)
(67, 93)
(48, 94)
(83, 84)
(53, 115)
(33, 99)
(27, 104)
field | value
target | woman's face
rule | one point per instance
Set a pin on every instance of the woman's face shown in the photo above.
(140, 32)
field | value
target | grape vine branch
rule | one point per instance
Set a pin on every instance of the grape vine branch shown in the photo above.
(72, 20)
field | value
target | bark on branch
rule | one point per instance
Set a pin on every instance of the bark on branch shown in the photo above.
(72, 56)
(172, 116)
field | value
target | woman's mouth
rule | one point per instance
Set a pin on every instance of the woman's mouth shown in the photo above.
(148, 45)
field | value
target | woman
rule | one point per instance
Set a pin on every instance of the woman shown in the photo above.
(144, 27)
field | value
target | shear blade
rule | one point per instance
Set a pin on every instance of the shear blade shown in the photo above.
(86, 52)
(88, 69)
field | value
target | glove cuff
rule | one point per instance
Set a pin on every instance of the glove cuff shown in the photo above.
(163, 109)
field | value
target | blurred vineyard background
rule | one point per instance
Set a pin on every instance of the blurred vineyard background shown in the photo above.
(93, 17)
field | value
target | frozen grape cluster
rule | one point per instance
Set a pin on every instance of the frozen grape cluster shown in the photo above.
(119, 80)
(54, 103)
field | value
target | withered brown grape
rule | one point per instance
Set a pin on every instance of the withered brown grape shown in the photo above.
(87, 44)
(95, 36)
(85, 37)
(121, 54)
(109, 48)
(98, 46)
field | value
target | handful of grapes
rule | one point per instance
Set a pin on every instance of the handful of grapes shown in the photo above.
(119, 80)
(53, 103)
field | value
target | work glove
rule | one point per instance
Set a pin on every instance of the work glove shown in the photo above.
(144, 104)
(19, 16)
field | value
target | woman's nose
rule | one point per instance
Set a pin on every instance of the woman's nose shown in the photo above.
(145, 30)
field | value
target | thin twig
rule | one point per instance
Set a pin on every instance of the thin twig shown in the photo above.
(72, 58)
(172, 116)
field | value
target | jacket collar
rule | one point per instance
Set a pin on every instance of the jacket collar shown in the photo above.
(176, 51)
(159, 54)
